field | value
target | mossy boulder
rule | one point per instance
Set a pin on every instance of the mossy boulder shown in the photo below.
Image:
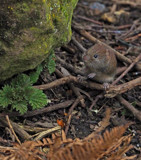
(29, 30)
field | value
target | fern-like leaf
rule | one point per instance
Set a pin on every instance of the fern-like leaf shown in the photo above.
(51, 63)
(22, 80)
(37, 99)
(21, 107)
(6, 96)
(34, 76)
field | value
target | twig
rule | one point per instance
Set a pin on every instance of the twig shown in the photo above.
(49, 109)
(78, 44)
(96, 99)
(128, 69)
(68, 49)
(135, 112)
(57, 82)
(91, 85)
(78, 94)
(23, 134)
(78, 26)
(68, 124)
(133, 38)
(71, 85)
(129, 31)
(70, 112)
(44, 133)
(12, 130)
(69, 66)
(119, 89)
(40, 111)
(120, 70)
(85, 93)
(33, 129)
(75, 104)
(68, 79)
(89, 20)
(76, 90)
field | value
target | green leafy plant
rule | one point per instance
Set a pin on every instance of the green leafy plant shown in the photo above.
(34, 76)
(50, 62)
(20, 93)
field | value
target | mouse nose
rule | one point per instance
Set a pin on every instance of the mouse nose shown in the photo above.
(86, 57)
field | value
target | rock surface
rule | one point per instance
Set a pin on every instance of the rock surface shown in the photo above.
(29, 30)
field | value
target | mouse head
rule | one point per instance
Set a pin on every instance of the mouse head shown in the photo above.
(97, 56)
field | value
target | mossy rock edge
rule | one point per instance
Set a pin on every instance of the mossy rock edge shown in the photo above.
(29, 30)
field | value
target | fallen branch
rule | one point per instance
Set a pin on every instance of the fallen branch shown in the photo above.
(42, 134)
(71, 85)
(115, 90)
(23, 134)
(135, 112)
(49, 109)
(95, 100)
(12, 130)
(128, 69)
(57, 82)
(78, 44)
(68, 79)
(40, 111)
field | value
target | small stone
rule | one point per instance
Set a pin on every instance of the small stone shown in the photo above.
(98, 7)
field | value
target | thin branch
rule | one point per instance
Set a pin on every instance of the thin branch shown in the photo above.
(49, 109)
(69, 66)
(68, 79)
(12, 130)
(135, 112)
(119, 89)
(22, 133)
(78, 44)
(40, 111)
(57, 82)
(71, 85)
(70, 112)
(128, 69)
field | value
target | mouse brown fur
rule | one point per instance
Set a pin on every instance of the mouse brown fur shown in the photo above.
(100, 63)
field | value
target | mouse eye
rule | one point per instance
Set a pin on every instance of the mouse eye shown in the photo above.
(95, 56)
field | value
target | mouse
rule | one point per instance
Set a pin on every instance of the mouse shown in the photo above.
(100, 63)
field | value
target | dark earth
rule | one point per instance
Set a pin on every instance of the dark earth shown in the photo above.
(118, 25)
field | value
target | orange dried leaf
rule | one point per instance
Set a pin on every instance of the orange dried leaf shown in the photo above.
(60, 123)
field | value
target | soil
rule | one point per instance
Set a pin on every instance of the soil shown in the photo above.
(119, 26)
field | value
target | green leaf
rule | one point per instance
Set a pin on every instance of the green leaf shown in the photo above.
(34, 76)
(20, 106)
(6, 96)
(29, 90)
(37, 99)
(22, 80)
(51, 63)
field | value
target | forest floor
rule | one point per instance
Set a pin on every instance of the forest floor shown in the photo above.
(117, 24)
